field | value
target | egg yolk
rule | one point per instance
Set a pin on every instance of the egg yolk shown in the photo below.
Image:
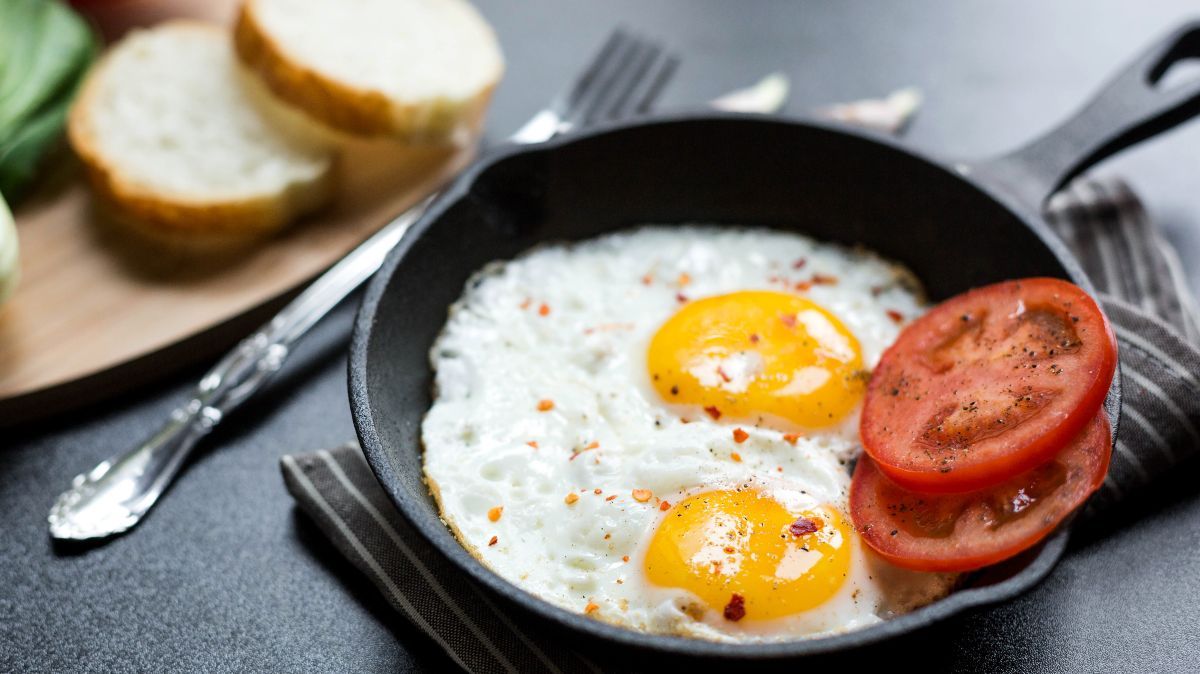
(758, 352)
(718, 544)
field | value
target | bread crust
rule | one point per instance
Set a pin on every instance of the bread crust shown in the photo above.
(181, 219)
(354, 110)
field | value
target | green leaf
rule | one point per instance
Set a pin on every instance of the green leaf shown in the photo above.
(45, 50)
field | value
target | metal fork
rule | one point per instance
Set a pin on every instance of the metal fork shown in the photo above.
(623, 79)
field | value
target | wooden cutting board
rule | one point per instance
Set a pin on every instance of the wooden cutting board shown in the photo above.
(96, 312)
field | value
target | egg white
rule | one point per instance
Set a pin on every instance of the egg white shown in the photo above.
(570, 324)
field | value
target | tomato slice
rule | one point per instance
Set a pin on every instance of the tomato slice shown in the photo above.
(988, 384)
(962, 532)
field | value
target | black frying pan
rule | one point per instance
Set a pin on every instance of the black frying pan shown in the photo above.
(956, 225)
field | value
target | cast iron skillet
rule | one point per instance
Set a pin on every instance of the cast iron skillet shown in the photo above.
(956, 225)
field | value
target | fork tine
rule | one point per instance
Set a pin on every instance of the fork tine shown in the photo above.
(614, 45)
(647, 90)
(615, 64)
(626, 82)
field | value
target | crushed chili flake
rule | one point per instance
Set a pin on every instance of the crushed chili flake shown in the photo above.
(896, 316)
(665, 505)
(593, 444)
(721, 371)
(788, 320)
(597, 491)
(713, 412)
(571, 498)
(754, 338)
(611, 498)
(791, 438)
(684, 279)
(532, 443)
(647, 279)
(642, 495)
(801, 286)
(494, 513)
(735, 610)
(805, 526)
(680, 297)
(779, 468)
(824, 280)
(545, 405)
(526, 303)
(493, 541)
(737, 458)
(740, 436)
(799, 263)
(625, 558)
(591, 607)
(544, 310)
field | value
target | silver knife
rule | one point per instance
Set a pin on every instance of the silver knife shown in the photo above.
(112, 497)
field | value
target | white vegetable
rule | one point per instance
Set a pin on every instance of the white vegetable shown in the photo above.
(8, 252)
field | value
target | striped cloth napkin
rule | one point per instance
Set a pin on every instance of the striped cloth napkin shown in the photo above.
(1143, 291)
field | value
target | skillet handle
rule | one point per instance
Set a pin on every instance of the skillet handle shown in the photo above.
(1127, 110)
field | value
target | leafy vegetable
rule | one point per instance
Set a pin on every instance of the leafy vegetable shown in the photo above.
(45, 49)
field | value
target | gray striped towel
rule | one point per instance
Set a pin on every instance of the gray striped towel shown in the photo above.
(1142, 289)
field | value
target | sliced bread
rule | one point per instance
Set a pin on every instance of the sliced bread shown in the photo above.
(417, 70)
(181, 144)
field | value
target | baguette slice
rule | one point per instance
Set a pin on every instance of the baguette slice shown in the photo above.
(421, 71)
(182, 146)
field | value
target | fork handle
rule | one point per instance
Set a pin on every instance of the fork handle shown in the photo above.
(113, 496)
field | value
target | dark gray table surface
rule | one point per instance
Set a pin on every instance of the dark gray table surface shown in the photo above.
(227, 576)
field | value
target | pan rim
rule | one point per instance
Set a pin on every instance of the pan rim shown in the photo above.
(435, 532)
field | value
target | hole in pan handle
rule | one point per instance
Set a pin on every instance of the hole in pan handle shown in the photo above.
(1128, 109)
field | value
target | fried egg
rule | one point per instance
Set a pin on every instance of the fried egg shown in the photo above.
(655, 427)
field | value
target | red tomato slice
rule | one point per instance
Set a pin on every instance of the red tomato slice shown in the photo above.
(987, 385)
(961, 532)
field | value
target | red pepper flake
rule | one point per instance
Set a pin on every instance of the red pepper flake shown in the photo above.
(493, 541)
(737, 458)
(788, 320)
(571, 498)
(647, 279)
(611, 498)
(754, 338)
(665, 505)
(684, 279)
(494, 513)
(592, 445)
(545, 405)
(735, 610)
(544, 310)
(779, 468)
(591, 607)
(607, 536)
(805, 526)
(799, 263)
(532, 443)
(896, 316)
(802, 286)
(824, 280)
(526, 303)
(597, 491)
(740, 436)
(721, 371)
(681, 298)
(791, 438)
(642, 495)
(713, 412)
(625, 558)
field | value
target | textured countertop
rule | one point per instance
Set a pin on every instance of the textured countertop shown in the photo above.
(227, 576)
